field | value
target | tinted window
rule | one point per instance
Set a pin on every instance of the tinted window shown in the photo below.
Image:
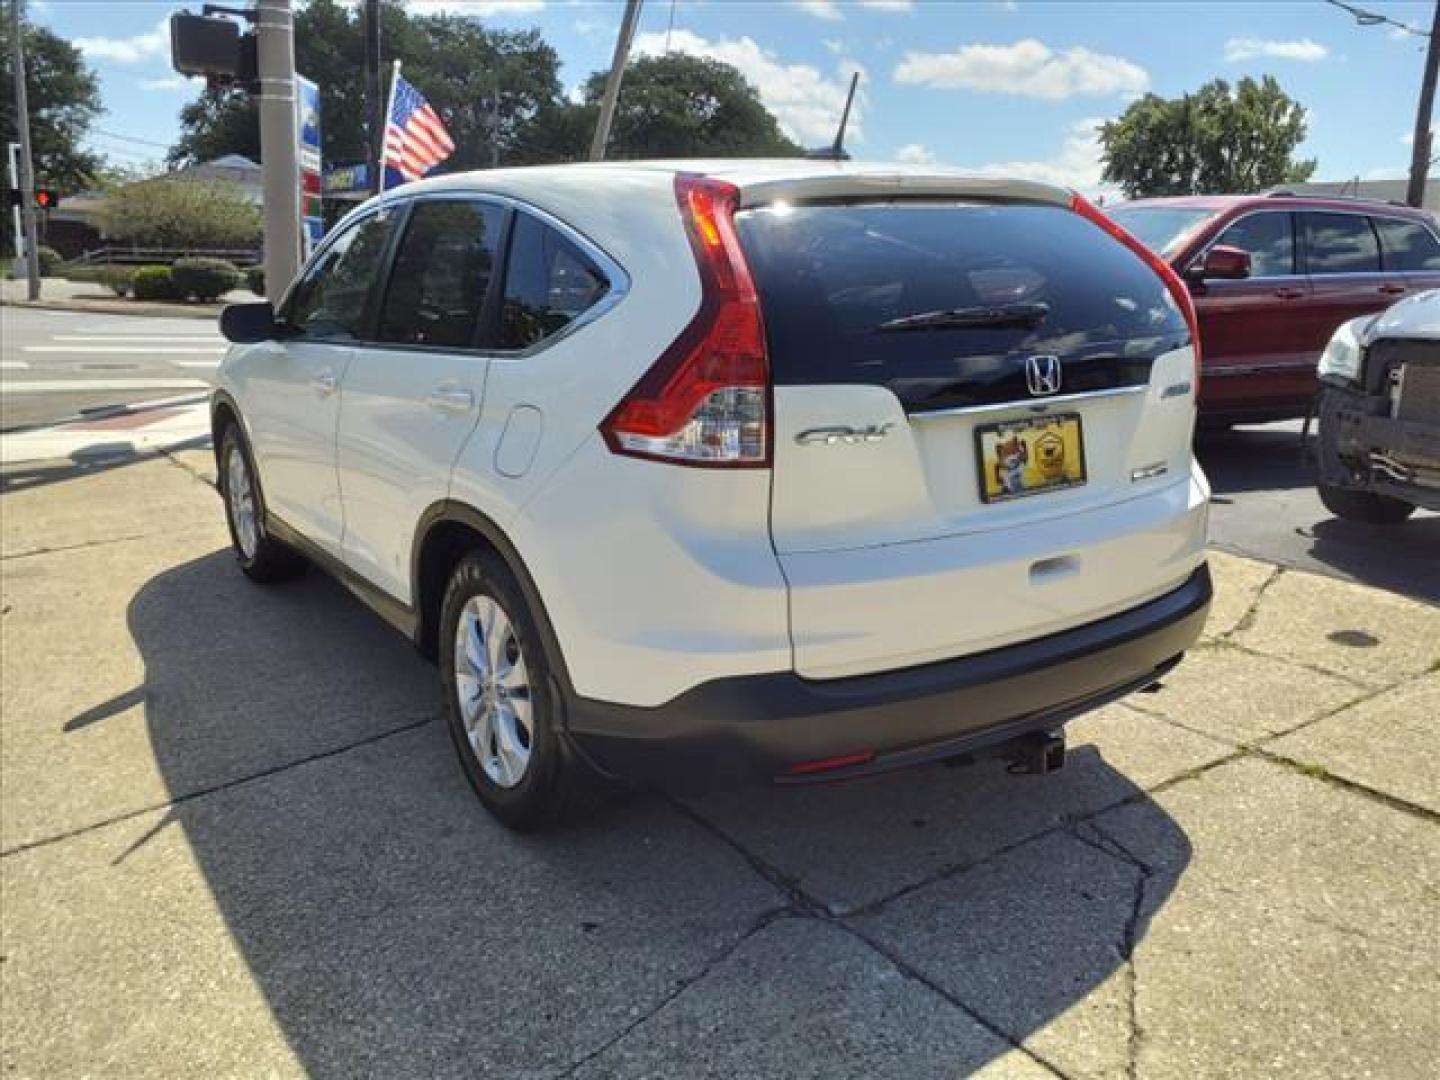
(1407, 245)
(1270, 240)
(441, 272)
(329, 301)
(548, 283)
(1341, 244)
(830, 275)
(1160, 228)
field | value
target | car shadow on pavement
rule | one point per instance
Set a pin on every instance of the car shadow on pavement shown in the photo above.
(1254, 459)
(395, 929)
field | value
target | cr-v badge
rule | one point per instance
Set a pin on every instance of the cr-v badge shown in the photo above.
(829, 436)
(1042, 374)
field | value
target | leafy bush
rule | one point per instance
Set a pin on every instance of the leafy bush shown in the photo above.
(255, 280)
(50, 261)
(118, 279)
(153, 283)
(171, 213)
(205, 279)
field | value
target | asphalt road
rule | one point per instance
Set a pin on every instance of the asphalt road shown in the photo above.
(55, 365)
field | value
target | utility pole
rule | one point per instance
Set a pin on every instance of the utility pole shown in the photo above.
(279, 156)
(374, 92)
(612, 81)
(26, 184)
(1420, 151)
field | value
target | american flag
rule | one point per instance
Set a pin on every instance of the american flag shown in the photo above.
(415, 139)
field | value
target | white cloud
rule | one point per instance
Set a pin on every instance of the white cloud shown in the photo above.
(889, 5)
(1237, 49)
(915, 154)
(833, 45)
(476, 7)
(1028, 68)
(129, 50)
(1077, 164)
(805, 102)
(821, 9)
(169, 82)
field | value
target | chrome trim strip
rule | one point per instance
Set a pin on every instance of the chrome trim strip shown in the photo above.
(1033, 404)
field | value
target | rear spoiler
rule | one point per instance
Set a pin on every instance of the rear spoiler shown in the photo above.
(852, 185)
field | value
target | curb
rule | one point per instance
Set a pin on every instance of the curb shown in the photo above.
(207, 312)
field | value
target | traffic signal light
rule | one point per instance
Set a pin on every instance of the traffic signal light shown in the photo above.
(45, 198)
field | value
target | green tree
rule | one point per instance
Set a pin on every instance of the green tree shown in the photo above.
(64, 99)
(181, 214)
(493, 88)
(1214, 141)
(685, 106)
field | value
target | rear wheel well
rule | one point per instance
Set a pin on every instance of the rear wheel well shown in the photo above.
(442, 548)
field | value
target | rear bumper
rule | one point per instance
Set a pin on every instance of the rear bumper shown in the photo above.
(760, 726)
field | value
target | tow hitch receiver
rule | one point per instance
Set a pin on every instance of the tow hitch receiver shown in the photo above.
(1038, 753)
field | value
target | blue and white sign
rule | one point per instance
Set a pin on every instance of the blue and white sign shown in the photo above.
(307, 116)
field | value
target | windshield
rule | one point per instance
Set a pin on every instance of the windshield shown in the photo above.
(1160, 228)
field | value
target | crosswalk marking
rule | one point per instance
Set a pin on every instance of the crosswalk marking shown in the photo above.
(135, 339)
(86, 386)
(209, 364)
(148, 350)
(14, 365)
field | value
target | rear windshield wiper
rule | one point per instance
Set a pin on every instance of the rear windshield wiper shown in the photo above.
(1000, 315)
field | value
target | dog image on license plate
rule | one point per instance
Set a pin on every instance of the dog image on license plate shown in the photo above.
(1030, 457)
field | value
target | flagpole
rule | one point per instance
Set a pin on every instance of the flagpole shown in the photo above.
(389, 108)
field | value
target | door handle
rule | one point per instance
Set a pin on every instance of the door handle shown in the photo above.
(1289, 294)
(323, 382)
(1392, 290)
(450, 399)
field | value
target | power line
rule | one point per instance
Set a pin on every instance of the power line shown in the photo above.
(1374, 18)
(129, 138)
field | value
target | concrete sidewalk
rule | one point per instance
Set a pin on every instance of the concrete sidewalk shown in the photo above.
(58, 294)
(235, 843)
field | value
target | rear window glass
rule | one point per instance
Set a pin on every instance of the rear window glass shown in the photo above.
(830, 276)
(1407, 245)
(1341, 244)
(1160, 228)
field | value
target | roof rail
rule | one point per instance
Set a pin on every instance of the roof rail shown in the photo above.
(1374, 201)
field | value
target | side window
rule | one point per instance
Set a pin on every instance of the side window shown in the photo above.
(441, 273)
(1407, 245)
(1341, 244)
(329, 301)
(1269, 239)
(549, 282)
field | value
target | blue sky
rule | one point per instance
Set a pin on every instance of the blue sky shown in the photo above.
(1016, 85)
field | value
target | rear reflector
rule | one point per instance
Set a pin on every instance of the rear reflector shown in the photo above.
(830, 764)
(1177, 289)
(706, 401)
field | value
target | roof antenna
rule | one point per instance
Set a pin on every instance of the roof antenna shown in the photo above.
(837, 151)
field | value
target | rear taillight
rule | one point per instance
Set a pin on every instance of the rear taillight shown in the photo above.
(1178, 291)
(706, 401)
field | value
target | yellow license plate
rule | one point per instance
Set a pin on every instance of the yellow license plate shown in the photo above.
(1030, 456)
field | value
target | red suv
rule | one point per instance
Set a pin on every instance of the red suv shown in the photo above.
(1273, 276)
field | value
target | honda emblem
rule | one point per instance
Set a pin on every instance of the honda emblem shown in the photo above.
(1042, 375)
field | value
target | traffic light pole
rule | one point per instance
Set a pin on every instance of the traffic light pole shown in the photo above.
(26, 184)
(279, 155)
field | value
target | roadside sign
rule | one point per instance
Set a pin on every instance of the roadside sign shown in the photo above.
(307, 107)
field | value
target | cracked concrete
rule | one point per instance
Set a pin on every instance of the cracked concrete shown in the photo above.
(235, 843)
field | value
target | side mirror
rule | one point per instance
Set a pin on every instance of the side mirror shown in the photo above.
(247, 323)
(1226, 262)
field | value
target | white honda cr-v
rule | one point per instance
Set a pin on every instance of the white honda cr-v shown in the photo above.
(796, 470)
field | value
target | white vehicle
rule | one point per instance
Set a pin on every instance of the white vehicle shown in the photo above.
(792, 469)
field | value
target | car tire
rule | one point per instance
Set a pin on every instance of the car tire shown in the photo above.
(262, 558)
(1364, 506)
(503, 703)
